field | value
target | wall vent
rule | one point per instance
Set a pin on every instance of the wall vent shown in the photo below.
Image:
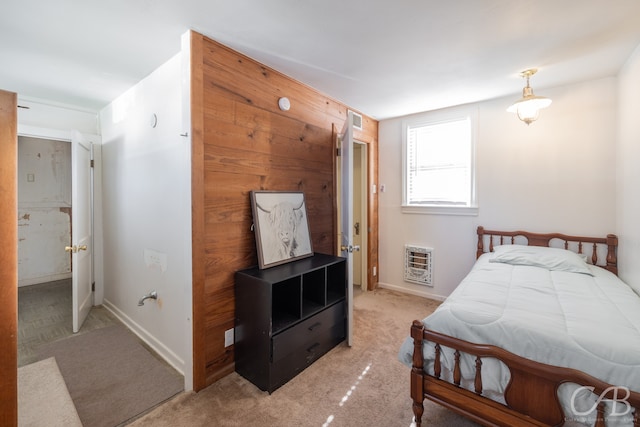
(357, 120)
(417, 265)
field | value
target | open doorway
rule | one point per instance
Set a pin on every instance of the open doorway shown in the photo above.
(44, 230)
(44, 210)
(360, 215)
(349, 196)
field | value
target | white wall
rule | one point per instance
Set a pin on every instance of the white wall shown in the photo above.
(556, 175)
(147, 213)
(48, 115)
(628, 206)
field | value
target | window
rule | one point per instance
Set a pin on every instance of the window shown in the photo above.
(439, 163)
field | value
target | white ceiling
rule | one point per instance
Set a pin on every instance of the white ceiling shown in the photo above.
(386, 58)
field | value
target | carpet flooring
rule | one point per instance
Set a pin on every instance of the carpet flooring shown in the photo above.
(362, 385)
(43, 398)
(111, 377)
(45, 315)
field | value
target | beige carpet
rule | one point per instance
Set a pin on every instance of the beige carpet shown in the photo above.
(43, 398)
(364, 385)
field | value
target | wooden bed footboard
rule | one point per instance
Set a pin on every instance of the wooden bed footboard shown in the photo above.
(531, 395)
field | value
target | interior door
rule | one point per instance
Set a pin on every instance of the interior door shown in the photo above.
(346, 215)
(81, 229)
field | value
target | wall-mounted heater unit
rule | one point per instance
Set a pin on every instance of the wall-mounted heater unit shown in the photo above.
(417, 265)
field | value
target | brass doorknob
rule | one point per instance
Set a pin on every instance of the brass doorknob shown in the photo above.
(73, 249)
(82, 248)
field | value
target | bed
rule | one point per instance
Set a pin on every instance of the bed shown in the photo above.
(541, 332)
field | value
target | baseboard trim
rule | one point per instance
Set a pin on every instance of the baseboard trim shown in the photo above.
(44, 279)
(411, 291)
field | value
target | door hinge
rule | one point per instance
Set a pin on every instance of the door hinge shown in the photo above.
(338, 152)
(91, 163)
(93, 286)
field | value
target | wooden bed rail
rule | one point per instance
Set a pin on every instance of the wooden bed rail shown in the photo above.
(544, 239)
(531, 395)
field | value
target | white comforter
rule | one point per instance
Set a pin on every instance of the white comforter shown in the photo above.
(590, 323)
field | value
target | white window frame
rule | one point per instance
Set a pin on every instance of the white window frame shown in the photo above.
(432, 118)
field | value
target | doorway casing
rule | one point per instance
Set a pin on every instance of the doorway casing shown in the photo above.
(8, 259)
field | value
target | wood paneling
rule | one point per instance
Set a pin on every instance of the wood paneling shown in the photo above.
(242, 142)
(8, 259)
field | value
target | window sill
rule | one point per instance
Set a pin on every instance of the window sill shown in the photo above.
(441, 210)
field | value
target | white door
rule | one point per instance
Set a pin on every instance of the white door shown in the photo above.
(346, 215)
(81, 229)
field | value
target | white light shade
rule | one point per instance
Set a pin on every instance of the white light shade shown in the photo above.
(529, 108)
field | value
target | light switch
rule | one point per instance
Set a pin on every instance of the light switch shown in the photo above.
(31, 177)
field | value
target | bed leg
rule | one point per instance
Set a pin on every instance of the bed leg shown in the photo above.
(417, 372)
(418, 410)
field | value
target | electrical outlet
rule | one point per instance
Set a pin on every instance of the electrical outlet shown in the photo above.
(228, 337)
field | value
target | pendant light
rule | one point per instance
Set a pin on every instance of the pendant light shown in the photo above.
(528, 107)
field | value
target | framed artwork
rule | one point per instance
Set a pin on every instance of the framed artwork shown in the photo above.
(281, 227)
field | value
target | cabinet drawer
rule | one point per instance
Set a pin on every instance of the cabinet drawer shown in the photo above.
(295, 361)
(316, 330)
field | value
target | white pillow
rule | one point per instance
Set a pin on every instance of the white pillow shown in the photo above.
(553, 259)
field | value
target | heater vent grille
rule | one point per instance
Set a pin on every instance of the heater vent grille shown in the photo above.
(417, 265)
(357, 120)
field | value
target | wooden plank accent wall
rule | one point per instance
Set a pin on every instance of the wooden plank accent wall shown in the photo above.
(241, 142)
(8, 259)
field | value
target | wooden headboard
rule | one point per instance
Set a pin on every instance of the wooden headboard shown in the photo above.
(573, 243)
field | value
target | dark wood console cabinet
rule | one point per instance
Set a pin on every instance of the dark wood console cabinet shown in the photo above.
(287, 317)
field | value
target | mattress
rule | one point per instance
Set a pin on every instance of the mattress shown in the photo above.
(589, 322)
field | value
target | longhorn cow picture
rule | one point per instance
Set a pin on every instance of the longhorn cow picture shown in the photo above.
(281, 227)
